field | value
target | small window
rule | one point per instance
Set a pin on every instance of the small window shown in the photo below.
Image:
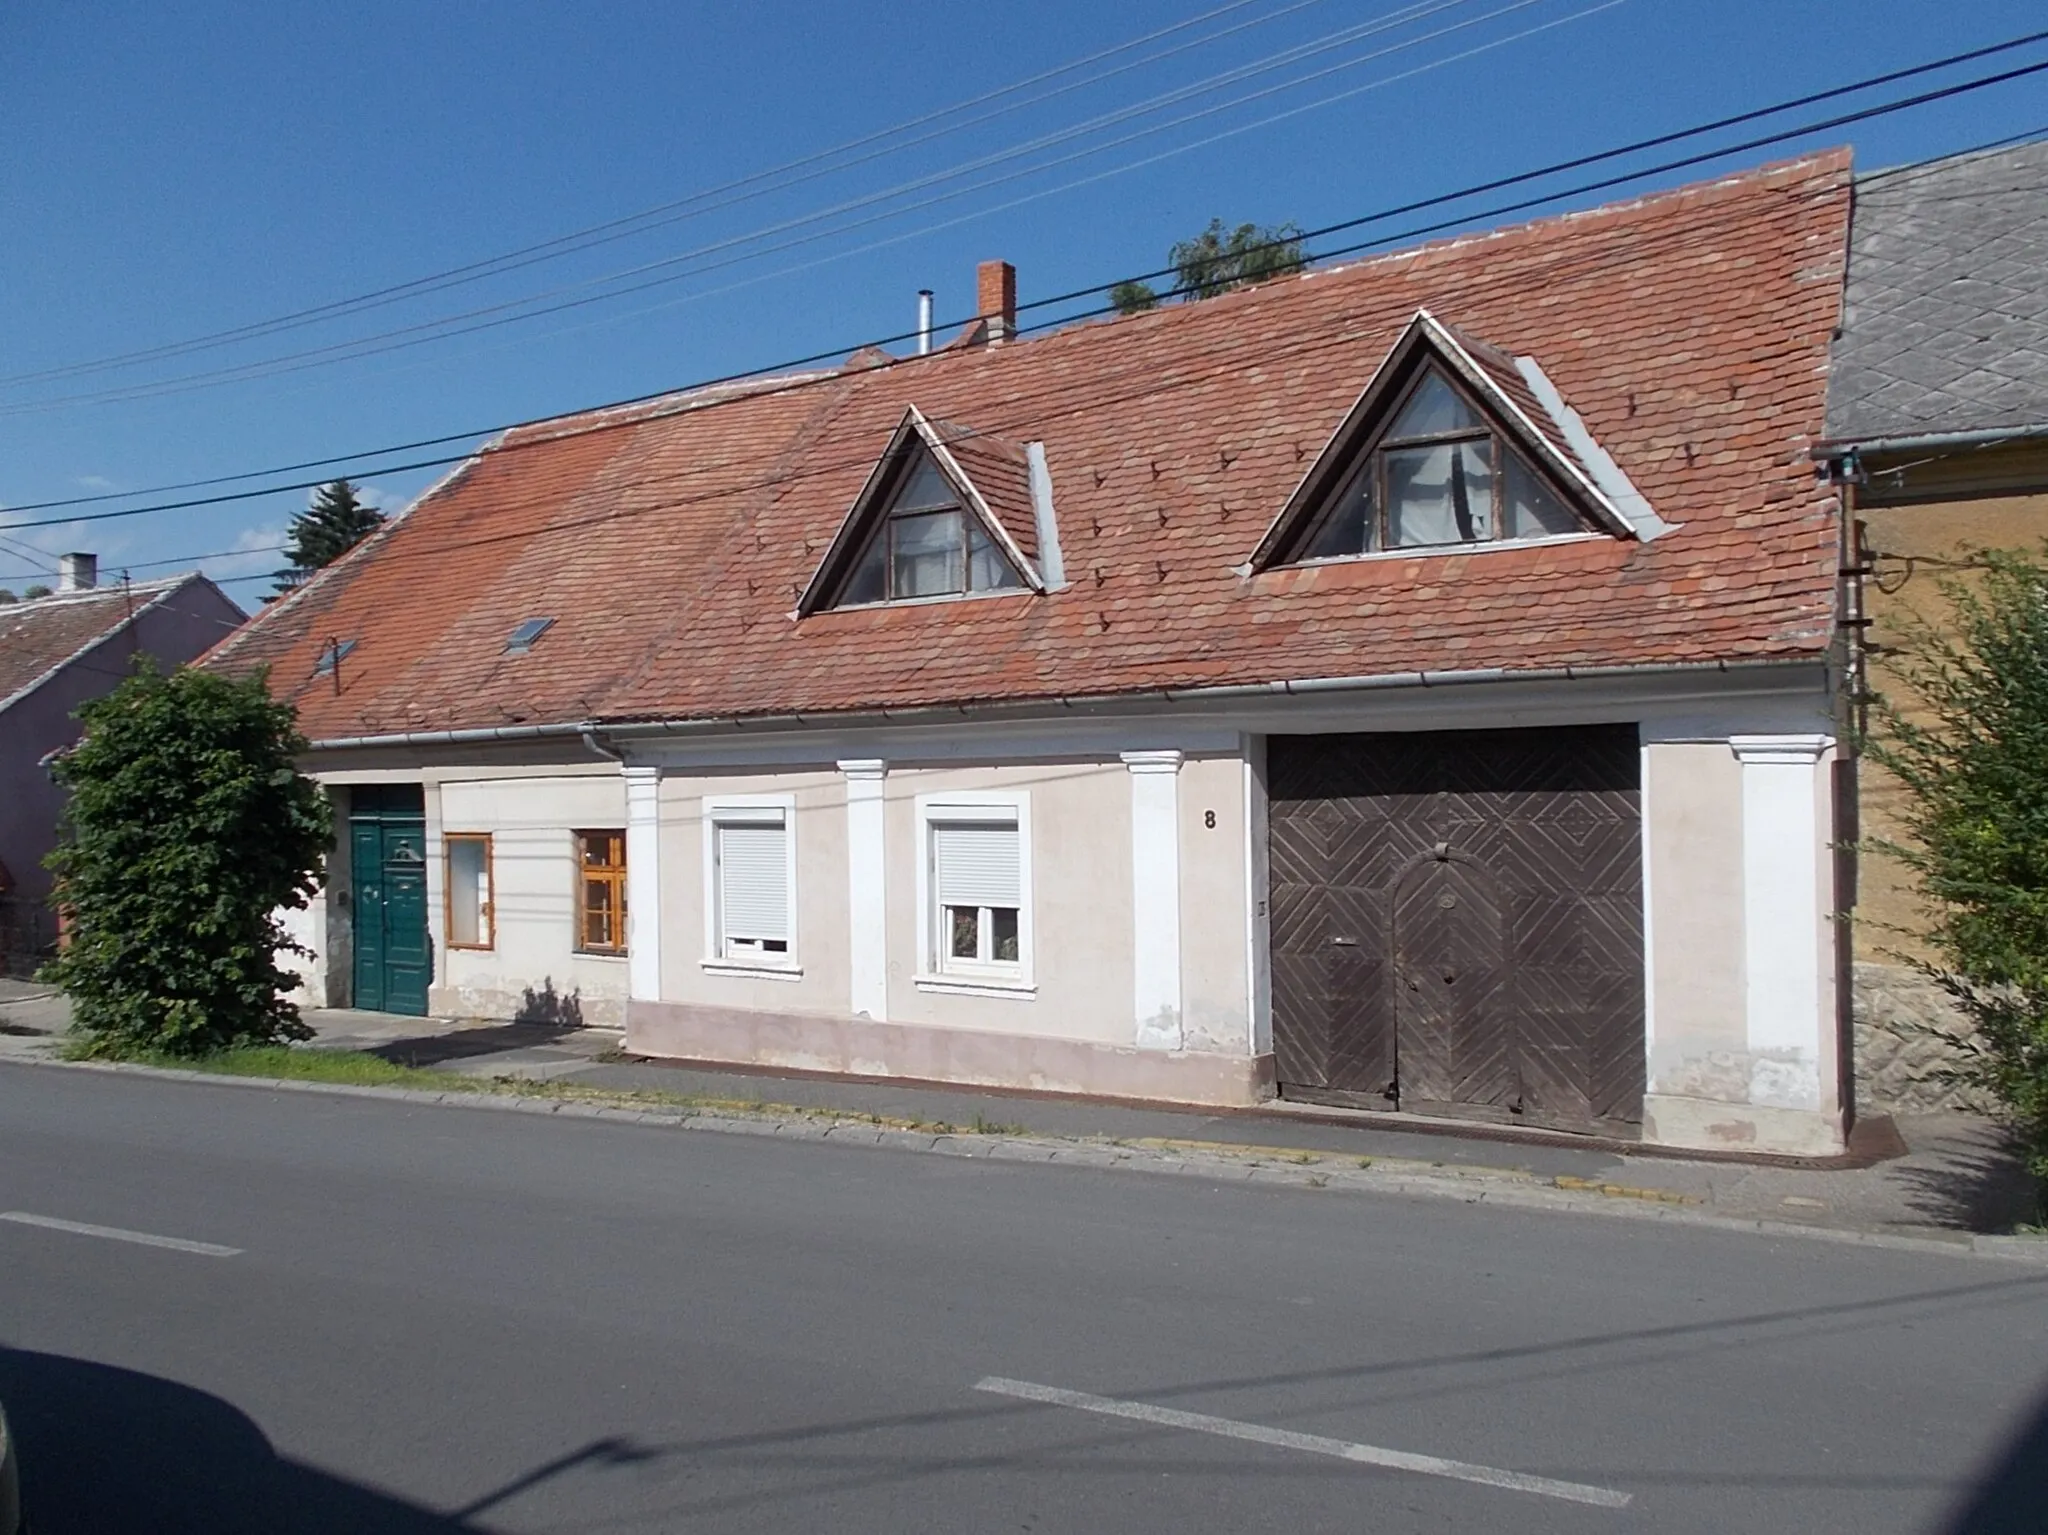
(469, 890)
(928, 545)
(1438, 475)
(522, 638)
(601, 892)
(750, 883)
(977, 886)
(331, 656)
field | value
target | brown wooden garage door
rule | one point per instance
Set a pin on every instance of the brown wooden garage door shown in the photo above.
(1457, 923)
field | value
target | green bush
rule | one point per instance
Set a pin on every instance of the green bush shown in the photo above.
(189, 826)
(1968, 739)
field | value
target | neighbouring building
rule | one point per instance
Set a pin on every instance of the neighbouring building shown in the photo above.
(1937, 429)
(57, 653)
(1411, 685)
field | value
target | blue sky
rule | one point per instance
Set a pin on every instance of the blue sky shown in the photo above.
(175, 171)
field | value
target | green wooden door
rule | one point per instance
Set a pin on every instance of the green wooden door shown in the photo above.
(388, 863)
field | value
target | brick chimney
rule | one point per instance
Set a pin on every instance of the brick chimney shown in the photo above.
(77, 572)
(996, 289)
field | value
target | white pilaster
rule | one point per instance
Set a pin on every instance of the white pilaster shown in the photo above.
(1784, 925)
(643, 883)
(1155, 896)
(868, 927)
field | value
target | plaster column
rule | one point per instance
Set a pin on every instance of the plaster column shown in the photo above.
(867, 911)
(1155, 896)
(1784, 936)
(643, 883)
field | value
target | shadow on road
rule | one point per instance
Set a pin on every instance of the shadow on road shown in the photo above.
(106, 1451)
(1973, 1178)
(2011, 1498)
(465, 1044)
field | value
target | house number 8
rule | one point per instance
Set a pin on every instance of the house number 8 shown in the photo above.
(1209, 819)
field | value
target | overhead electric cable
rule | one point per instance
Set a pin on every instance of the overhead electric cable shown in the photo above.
(1801, 130)
(535, 305)
(669, 212)
(1497, 184)
(1022, 408)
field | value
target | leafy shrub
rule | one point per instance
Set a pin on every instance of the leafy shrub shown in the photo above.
(188, 827)
(1968, 740)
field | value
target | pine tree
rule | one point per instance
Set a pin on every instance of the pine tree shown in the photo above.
(335, 522)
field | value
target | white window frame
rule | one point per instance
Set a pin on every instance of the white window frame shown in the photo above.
(937, 971)
(740, 809)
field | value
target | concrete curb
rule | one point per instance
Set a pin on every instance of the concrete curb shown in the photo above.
(1217, 1161)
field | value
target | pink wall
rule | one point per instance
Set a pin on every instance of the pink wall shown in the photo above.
(187, 623)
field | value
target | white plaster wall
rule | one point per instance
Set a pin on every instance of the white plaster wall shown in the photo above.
(1694, 797)
(1213, 890)
(1081, 903)
(1744, 1047)
(532, 821)
(820, 901)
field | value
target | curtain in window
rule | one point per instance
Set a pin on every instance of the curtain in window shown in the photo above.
(1440, 494)
(468, 890)
(928, 554)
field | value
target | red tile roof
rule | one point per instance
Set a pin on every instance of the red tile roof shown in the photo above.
(1690, 330)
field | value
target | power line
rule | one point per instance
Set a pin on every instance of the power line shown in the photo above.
(1438, 200)
(649, 218)
(806, 381)
(1052, 401)
(518, 310)
(1026, 410)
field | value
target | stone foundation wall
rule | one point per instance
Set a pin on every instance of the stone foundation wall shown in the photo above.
(1896, 1056)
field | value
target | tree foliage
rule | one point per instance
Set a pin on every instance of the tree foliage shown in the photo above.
(1218, 260)
(188, 827)
(1967, 738)
(334, 523)
(30, 593)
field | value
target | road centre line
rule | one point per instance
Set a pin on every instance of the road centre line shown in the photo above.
(1313, 1444)
(117, 1234)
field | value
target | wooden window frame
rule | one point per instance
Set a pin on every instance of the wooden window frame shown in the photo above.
(487, 913)
(611, 875)
(885, 535)
(1372, 460)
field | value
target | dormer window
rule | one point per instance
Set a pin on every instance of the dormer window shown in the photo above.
(927, 544)
(1439, 474)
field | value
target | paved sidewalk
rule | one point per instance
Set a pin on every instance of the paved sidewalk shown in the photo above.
(1956, 1174)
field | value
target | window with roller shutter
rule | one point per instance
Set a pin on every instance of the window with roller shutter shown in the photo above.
(977, 883)
(750, 883)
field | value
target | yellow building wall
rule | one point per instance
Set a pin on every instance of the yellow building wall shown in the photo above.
(1920, 524)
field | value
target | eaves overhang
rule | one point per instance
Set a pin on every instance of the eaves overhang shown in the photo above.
(1056, 706)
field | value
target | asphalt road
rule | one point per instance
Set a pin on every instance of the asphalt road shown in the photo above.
(420, 1320)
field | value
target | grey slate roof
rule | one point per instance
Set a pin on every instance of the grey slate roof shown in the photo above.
(1946, 323)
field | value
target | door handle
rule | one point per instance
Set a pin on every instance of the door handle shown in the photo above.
(1345, 943)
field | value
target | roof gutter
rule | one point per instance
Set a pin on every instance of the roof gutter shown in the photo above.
(1840, 447)
(1302, 687)
(479, 737)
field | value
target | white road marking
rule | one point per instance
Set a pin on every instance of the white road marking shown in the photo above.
(1314, 1444)
(116, 1234)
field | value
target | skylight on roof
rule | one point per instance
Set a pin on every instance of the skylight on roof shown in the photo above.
(523, 637)
(330, 657)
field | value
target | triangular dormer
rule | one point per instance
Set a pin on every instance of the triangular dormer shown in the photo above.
(924, 527)
(1454, 444)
